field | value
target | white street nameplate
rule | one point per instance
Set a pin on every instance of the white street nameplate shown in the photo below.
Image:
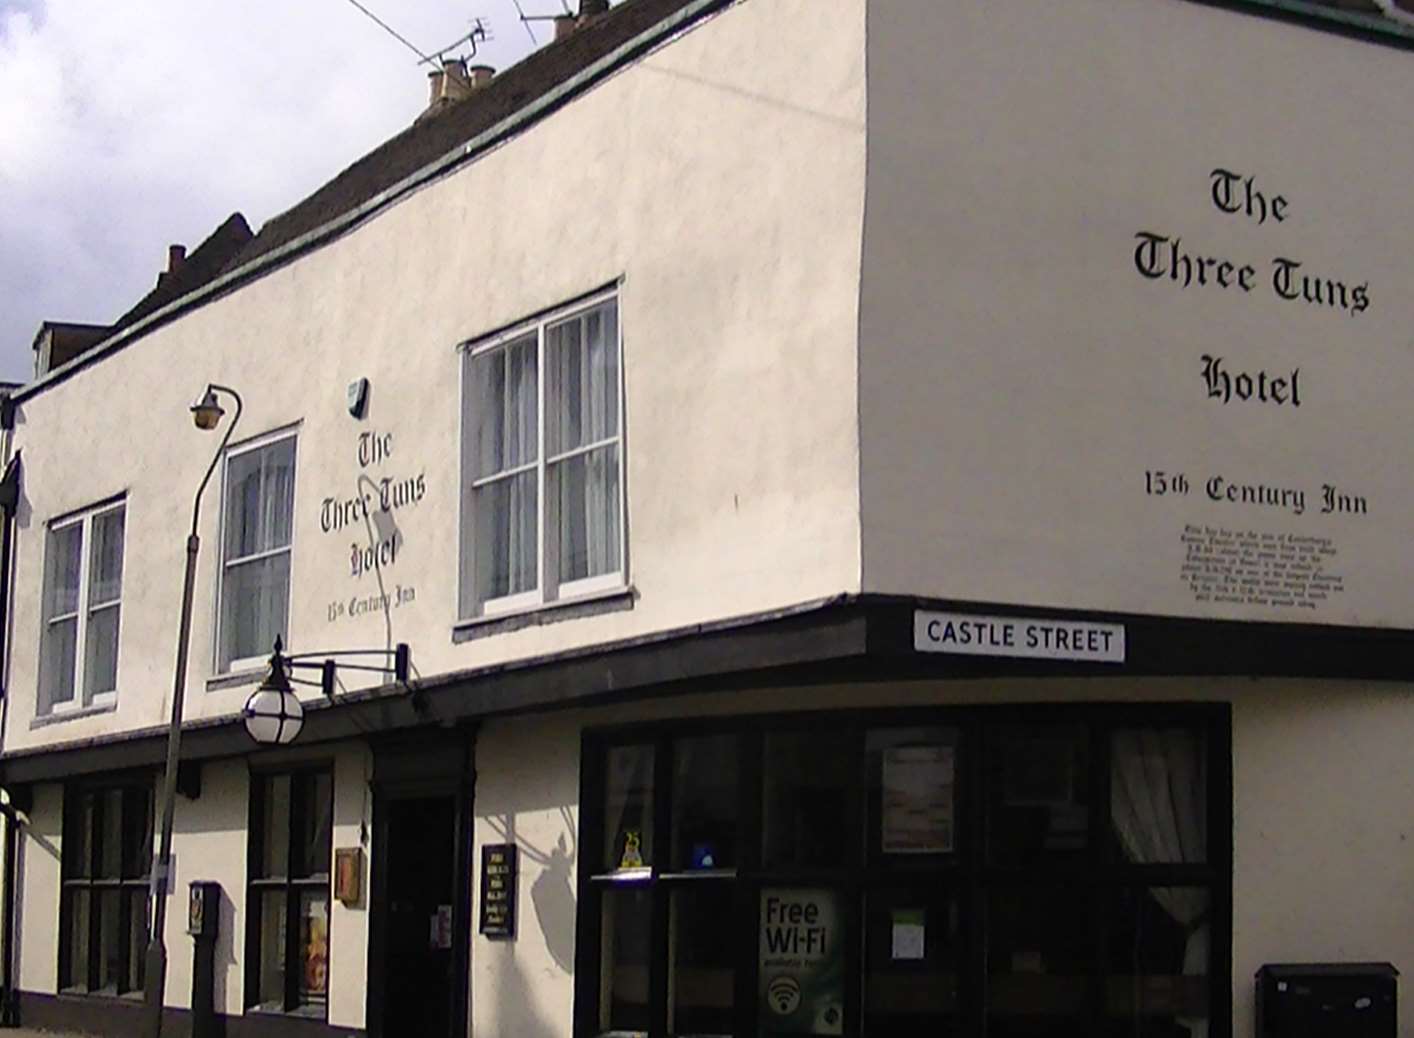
(969, 634)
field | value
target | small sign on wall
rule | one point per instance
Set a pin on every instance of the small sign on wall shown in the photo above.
(498, 890)
(348, 874)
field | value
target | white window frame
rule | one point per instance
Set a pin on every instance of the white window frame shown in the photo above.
(548, 590)
(80, 700)
(243, 663)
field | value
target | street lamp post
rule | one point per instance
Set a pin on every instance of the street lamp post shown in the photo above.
(206, 413)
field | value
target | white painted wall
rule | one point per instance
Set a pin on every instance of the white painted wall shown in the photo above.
(1323, 828)
(721, 177)
(1019, 375)
(37, 909)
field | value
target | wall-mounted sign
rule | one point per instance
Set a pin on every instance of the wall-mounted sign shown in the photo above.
(348, 874)
(498, 890)
(1025, 637)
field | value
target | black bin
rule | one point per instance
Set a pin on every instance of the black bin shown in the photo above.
(1327, 1000)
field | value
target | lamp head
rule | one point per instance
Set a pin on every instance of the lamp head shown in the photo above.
(207, 411)
(273, 714)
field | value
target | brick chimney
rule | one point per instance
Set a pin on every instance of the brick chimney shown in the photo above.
(454, 82)
(176, 256)
(589, 10)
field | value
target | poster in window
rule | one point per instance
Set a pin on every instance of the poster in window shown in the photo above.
(314, 948)
(917, 806)
(801, 963)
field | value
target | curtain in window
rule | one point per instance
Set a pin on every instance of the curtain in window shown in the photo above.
(105, 582)
(506, 388)
(585, 391)
(1159, 810)
(61, 622)
(255, 606)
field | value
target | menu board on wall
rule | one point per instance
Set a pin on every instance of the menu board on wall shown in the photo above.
(498, 890)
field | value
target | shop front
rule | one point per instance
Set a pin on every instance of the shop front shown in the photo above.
(1059, 869)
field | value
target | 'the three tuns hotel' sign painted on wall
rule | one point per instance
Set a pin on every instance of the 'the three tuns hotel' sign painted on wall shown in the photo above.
(1024, 637)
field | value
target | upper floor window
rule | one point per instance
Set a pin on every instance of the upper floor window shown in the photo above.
(255, 555)
(83, 585)
(543, 504)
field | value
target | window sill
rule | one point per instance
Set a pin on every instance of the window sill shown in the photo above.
(45, 720)
(306, 1012)
(235, 679)
(80, 995)
(595, 603)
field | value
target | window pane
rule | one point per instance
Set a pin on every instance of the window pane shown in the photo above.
(254, 608)
(584, 379)
(112, 939)
(105, 570)
(623, 978)
(62, 579)
(587, 494)
(260, 495)
(808, 779)
(313, 946)
(1039, 802)
(913, 791)
(315, 811)
(912, 947)
(628, 801)
(1159, 796)
(271, 992)
(100, 651)
(275, 830)
(701, 993)
(1157, 957)
(137, 833)
(60, 646)
(75, 972)
(505, 395)
(1040, 963)
(78, 836)
(110, 841)
(705, 803)
(137, 939)
(801, 962)
(506, 517)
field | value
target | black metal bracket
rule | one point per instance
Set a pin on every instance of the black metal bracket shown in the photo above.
(397, 664)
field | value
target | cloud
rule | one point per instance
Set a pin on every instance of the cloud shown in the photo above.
(128, 126)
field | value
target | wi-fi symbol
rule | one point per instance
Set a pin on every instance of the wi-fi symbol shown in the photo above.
(783, 995)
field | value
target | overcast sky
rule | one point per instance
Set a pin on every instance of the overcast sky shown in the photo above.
(127, 125)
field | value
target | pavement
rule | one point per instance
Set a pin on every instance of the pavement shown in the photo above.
(28, 1032)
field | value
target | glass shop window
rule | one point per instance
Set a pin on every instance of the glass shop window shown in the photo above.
(702, 968)
(972, 871)
(809, 782)
(288, 902)
(1039, 803)
(705, 803)
(1157, 954)
(912, 951)
(106, 855)
(1040, 962)
(628, 809)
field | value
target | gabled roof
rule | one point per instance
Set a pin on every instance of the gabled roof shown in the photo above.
(430, 139)
(205, 263)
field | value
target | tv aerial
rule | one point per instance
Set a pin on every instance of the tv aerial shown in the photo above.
(480, 33)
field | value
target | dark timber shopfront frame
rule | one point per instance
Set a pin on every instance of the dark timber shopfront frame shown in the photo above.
(970, 873)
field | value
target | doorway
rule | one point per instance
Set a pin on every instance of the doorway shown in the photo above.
(419, 940)
(420, 927)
